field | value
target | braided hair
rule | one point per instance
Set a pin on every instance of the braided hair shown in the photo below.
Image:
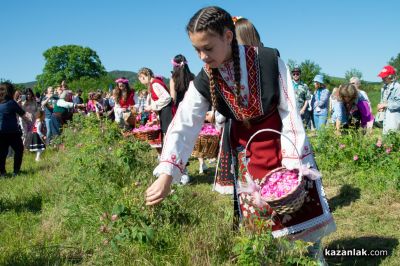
(217, 20)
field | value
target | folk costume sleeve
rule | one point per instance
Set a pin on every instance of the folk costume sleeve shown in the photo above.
(163, 97)
(292, 125)
(182, 134)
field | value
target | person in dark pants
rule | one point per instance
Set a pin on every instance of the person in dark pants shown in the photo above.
(10, 133)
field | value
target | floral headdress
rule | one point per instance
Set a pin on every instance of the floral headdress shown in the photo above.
(175, 64)
(236, 19)
(122, 80)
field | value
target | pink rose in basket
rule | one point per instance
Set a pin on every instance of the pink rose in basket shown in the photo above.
(209, 129)
(146, 128)
(279, 184)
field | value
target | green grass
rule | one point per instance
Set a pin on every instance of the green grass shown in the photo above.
(51, 213)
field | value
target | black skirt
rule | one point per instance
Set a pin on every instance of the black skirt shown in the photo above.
(165, 117)
(36, 143)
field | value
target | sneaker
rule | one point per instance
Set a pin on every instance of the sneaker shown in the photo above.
(185, 179)
(202, 167)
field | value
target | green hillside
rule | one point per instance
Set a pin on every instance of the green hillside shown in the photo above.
(132, 76)
(114, 74)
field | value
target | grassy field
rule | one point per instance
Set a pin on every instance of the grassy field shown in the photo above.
(59, 211)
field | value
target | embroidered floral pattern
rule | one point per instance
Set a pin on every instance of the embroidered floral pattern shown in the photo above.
(251, 95)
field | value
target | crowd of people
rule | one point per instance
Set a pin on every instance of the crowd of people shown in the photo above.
(348, 106)
(243, 88)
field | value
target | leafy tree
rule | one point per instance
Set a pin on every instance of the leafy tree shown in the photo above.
(352, 73)
(308, 71)
(17, 86)
(395, 62)
(69, 62)
(87, 84)
(291, 64)
(139, 86)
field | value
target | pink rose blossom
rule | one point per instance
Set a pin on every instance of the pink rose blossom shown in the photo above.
(146, 128)
(209, 129)
(388, 150)
(355, 157)
(379, 143)
(114, 217)
(342, 146)
(279, 184)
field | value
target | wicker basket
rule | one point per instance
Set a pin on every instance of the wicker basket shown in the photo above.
(129, 118)
(206, 146)
(147, 135)
(292, 201)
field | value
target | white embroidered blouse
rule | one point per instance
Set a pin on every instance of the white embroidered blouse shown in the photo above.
(163, 97)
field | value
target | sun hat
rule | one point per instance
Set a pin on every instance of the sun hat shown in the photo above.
(319, 79)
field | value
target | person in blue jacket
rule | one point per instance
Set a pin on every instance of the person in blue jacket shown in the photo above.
(320, 102)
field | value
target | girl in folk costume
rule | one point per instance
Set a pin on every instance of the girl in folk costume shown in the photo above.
(160, 99)
(252, 87)
(38, 135)
(125, 99)
(246, 34)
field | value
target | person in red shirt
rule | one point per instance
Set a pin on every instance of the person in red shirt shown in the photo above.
(124, 99)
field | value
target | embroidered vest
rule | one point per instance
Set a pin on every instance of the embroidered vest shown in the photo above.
(263, 83)
(154, 96)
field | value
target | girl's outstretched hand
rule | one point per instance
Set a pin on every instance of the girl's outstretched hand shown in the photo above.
(159, 189)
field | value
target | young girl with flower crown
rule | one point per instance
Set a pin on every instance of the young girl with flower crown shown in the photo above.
(252, 87)
(125, 100)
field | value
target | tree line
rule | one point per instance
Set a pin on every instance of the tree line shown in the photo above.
(81, 67)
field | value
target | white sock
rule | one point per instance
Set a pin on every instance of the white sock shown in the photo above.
(38, 153)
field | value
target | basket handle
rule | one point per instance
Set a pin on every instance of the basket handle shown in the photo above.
(275, 131)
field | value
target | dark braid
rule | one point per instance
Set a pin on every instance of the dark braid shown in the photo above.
(213, 95)
(217, 20)
(236, 69)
